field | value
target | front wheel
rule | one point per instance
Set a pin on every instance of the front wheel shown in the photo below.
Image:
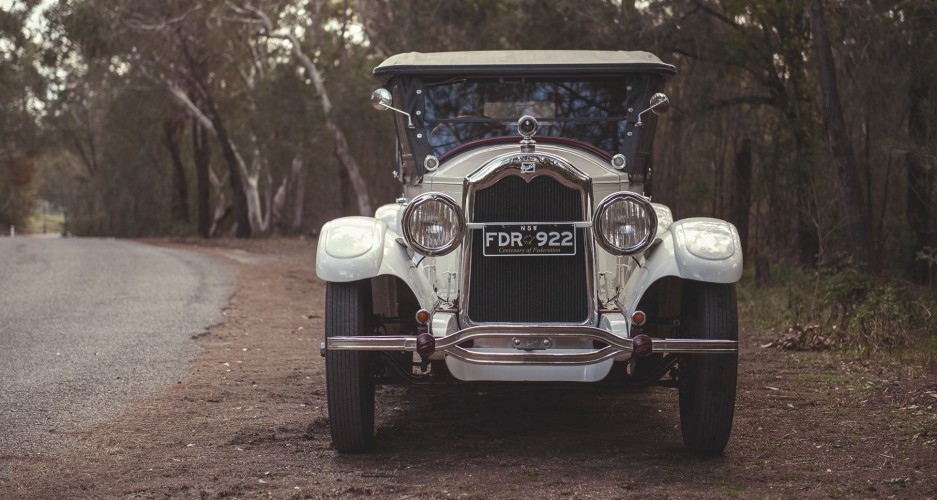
(707, 381)
(348, 379)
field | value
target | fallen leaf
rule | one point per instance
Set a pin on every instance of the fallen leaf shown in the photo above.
(898, 481)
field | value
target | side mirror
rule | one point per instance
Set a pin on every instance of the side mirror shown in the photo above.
(382, 99)
(659, 104)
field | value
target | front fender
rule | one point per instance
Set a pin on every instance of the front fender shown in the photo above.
(351, 249)
(357, 248)
(699, 249)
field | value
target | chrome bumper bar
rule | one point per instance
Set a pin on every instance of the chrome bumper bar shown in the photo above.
(450, 345)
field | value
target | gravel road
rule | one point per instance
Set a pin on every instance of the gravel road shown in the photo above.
(89, 325)
(249, 420)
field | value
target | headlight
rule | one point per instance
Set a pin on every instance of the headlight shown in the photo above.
(624, 223)
(432, 224)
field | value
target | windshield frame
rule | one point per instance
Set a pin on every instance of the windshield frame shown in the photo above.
(588, 109)
(410, 92)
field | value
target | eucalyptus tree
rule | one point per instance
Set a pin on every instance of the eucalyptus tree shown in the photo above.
(98, 85)
(253, 16)
(21, 87)
(190, 55)
(182, 47)
(921, 159)
(751, 57)
(747, 126)
(854, 212)
(258, 110)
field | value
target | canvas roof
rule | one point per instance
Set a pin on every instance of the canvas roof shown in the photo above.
(522, 62)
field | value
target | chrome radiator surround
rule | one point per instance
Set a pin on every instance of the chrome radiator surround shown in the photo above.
(529, 166)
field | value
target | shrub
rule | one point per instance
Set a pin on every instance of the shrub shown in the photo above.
(855, 310)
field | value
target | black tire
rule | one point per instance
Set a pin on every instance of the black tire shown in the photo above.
(348, 378)
(707, 381)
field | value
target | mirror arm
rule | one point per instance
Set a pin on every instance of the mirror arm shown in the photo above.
(640, 123)
(409, 120)
(658, 100)
(381, 99)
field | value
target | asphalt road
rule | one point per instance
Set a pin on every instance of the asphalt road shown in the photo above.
(89, 325)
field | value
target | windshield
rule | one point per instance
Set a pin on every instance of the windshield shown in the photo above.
(464, 110)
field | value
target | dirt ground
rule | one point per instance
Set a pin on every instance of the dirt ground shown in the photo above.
(250, 420)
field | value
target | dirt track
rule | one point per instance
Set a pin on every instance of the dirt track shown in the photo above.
(250, 420)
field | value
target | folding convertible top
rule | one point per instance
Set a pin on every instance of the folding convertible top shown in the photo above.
(523, 63)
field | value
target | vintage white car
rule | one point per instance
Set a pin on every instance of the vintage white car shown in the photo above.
(525, 247)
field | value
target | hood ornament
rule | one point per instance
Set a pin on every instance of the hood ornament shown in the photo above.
(527, 126)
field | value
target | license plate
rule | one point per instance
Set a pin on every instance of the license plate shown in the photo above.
(529, 240)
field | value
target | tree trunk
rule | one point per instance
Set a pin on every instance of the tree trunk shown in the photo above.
(921, 133)
(341, 144)
(808, 239)
(351, 166)
(798, 108)
(251, 189)
(239, 203)
(298, 190)
(855, 212)
(743, 191)
(212, 121)
(180, 185)
(343, 189)
(628, 13)
(201, 155)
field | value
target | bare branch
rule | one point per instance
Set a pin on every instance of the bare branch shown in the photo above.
(88, 158)
(718, 15)
(138, 23)
(190, 107)
(377, 43)
(750, 99)
(341, 143)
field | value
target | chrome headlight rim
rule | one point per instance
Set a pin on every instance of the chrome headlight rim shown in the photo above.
(410, 237)
(610, 200)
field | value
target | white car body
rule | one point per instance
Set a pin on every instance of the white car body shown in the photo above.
(355, 248)
(522, 259)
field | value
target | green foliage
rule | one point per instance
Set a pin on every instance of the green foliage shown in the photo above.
(697, 196)
(788, 299)
(871, 314)
(19, 134)
(928, 255)
(17, 189)
(857, 311)
(45, 223)
(100, 70)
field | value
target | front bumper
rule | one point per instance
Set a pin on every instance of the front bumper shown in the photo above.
(450, 345)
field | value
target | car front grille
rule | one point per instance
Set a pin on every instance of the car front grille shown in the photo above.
(521, 289)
